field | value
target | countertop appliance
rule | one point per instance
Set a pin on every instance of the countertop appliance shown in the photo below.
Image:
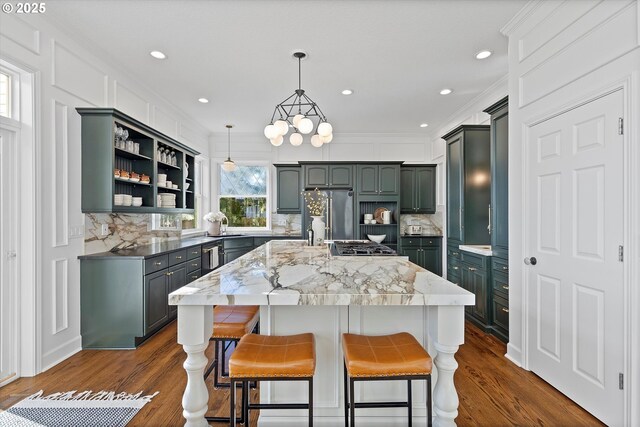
(355, 248)
(414, 229)
(338, 215)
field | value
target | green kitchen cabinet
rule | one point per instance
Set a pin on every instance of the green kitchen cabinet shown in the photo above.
(378, 179)
(288, 189)
(423, 251)
(327, 175)
(468, 184)
(500, 178)
(156, 310)
(316, 175)
(177, 278)
(341, 175)
(476, 278)
(236, 247)
(418, 189)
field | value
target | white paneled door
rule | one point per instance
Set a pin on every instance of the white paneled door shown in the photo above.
(574, 225)
(8, 285)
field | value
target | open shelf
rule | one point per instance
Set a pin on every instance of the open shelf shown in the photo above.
(160, 188)
(132, 182)
(129, 155)
(167, 165)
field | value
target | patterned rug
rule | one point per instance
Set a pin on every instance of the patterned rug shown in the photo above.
(103, 408)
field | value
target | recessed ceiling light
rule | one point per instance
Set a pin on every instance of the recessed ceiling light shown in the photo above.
(347, 92)
(483, 54)
(424, 125)
(203, 100)
(157, 54)
(445, 91)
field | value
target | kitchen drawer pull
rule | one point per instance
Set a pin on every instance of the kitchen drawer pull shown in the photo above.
(454, 253)
(472, 268)
(179, 257)
(505, 268)
(170, 273)
(506, 310)
(505, 287)
(455, 268)
(194, 277)
(194, 252)
(157, 263)
(195, 264)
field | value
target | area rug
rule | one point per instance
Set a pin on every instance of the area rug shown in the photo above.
(86, 408)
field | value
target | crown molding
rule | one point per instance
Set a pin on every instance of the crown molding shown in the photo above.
(520, 17)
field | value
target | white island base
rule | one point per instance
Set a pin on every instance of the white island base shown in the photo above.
(440, 329)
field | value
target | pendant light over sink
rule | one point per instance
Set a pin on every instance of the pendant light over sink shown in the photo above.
(295, 111)
(229, 165)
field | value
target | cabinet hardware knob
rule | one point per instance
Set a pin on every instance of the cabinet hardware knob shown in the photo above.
(505, 268)
(455, 268)
(178, 257)
(430, 242)
(472, 269)
(505, 287)
(157, 263)
(506, 310)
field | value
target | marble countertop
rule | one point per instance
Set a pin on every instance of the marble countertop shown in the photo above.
(152, 250)
(484, 250)
(288, 272)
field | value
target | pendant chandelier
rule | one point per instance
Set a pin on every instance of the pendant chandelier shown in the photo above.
(295, 111)
(229, 165)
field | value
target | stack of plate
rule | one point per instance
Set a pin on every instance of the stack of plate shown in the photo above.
(168, 200)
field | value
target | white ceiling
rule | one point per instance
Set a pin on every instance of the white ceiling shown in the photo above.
(394, 55)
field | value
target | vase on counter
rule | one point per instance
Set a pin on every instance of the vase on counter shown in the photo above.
(214, 228)
(318, 227)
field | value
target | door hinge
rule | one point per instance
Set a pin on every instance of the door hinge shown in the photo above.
(621, 381)
(620, 126)
(621, 253)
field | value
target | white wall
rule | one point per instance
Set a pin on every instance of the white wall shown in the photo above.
(69, 74)
(560, 55)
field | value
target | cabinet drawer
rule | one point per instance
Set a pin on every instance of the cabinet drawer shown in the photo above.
(193, 275)
(501, 313)
(430, 242)
(194, 252)
(156, 263)
(193, 265)
(501, 265)
(410, 241)
(472, 259)
(453, 252)
(500, 284)
(177, 257)
(244, 242)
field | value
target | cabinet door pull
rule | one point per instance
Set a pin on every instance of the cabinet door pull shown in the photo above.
(472, 268)
(506, 310)
(179, 257)
(195, 264)
(157, 263)
(455, 268)
(170, 273)
(505, 268)
(454, 253)
(194, 277)
(489, 226)
(194, 252)
(505, 287)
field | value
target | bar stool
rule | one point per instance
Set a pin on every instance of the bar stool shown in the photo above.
(230, 323)
(378, 358)
(272, 358)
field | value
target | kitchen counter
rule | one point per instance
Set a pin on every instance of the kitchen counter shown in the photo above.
(304, 288)
(148, 251)
(484, 250)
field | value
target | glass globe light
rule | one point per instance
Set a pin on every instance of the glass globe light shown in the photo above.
(295, 139)
(325, 129)
(277, 141)
(326, 139)
(296, 119)
(316, 141)
(229, 165)
(305, 126)
(270, 131)
(282, 126)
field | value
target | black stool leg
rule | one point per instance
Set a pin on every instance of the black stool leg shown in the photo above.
(346, 396)
(429, 415)
(246, 398)
(409, 403)
(311, 402)
(232, 403)
(352, 403)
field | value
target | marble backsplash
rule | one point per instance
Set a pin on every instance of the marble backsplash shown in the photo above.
(128, 230)
(431, 224)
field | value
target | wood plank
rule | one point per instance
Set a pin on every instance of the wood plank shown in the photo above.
(492, 390)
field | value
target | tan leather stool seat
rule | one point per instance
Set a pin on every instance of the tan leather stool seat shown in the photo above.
(234, 321)
(385, 356)
(264, 356)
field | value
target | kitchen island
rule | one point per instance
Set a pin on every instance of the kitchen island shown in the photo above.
(304, 288)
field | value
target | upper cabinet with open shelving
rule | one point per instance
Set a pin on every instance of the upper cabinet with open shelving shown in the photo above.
(130, 167)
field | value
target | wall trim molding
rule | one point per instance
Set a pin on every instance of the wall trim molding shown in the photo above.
(61, 352)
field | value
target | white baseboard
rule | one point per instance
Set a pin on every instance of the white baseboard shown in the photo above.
(339, 421)
(514, 354)
(61, 352)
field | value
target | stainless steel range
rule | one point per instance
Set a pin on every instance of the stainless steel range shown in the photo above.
(362, 248)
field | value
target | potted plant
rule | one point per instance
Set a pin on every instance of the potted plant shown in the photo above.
(214, 220)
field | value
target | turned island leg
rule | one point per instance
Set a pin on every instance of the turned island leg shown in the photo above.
(195, 325)
(446, 330)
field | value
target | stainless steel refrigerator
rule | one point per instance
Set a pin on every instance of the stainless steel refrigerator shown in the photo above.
(338, 216)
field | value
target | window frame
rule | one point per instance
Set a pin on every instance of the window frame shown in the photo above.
(267, 196)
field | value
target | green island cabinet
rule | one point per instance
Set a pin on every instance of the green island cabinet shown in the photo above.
(288, 189)
(499, 123)
(327, 175)
(124, 300)
(418, 189)
(424, 251)
(100, 158)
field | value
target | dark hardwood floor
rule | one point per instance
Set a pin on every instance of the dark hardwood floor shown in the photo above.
(493, 391)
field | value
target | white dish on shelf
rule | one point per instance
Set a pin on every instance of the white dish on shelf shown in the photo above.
(378, 238)
(175, 186)
(134, 179)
